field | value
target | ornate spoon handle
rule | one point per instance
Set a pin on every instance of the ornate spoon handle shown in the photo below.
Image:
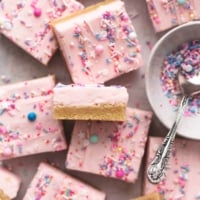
(155, 171)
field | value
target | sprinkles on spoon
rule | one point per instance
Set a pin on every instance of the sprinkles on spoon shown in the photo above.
(185, 58)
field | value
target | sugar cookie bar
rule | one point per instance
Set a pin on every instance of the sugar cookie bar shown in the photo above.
(98, 43)
(51, 183)
(162, 14)
(115, 148)
(26, 23)
(90, 102)
(166, 14)
(26, 123)
(182, 174)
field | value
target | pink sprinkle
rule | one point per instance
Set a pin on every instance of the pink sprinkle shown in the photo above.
(99, 50)
(38, 126)
(182, 183)
(119, 173)
(71, 44)
(52, 130)
(37, 12)
(7, 151)
(3, 130)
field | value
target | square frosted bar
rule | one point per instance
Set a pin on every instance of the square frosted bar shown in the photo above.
(182, 174)
(170, 13)
(98, 43)
(26, 120)
(115, 148)
(26, 23)
(51, 183)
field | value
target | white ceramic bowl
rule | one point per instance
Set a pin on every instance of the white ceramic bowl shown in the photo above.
(189, 126)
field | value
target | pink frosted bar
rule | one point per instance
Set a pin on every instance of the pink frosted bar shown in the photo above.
(185, 12)
(26, 23)
(111, 149)
(162, 13)
(90, 102)
(166, 14)
(99, 43)
(50, 183)
(26, 123)
(9, 183)
(183, 173)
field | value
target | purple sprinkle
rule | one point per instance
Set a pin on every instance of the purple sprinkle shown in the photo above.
(185, 59)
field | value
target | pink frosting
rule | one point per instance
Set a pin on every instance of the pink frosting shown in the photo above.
(99, 45)
(166, 14)
(26, 123)
(50, 183)
(89, 95)
(26, 23)
(115, 148)
(9, 183)
(197, 8)
(183, 172)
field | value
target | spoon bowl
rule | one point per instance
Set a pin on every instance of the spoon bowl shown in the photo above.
(191, 86)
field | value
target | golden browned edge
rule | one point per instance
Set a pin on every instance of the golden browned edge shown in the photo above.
(105, 112)
(3, 196)
(80, 12)
(151, 196)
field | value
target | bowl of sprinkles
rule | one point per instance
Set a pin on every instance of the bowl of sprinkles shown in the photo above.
(178, 51)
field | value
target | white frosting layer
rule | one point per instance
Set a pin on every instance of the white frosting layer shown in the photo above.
(89, 95)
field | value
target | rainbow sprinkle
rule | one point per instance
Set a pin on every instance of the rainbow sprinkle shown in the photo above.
(186, 58)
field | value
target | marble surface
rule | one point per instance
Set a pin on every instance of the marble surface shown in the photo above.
(16, 65)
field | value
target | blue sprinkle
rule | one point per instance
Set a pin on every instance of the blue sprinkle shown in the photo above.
(132, 54)
(98, 36)
(94, 139)
(32, 116)
(108, 61)
(2, 111)
(193, 109)
(171, 60)
(198, 102)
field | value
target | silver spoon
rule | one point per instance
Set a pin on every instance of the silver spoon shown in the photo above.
(156, 169)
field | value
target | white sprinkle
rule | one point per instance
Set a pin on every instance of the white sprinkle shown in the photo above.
(187, 68)
(132, 35)
(7, 25)
(103, 72)
(86, 143)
